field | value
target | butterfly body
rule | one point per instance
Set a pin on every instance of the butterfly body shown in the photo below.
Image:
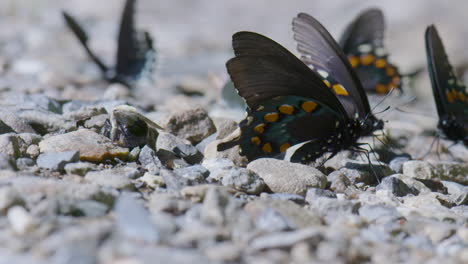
(362, 42)
(319, 107)
(450, 94)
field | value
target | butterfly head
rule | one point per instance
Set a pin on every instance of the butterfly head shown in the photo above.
(370, 124)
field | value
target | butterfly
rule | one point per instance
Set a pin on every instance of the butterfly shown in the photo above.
(324, 109)
(135, 53)
(362, 42)
(450, 94)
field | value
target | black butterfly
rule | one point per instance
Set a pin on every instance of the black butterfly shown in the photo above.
(325, 109)
(135, 53)
(362, 42)
(450, 94)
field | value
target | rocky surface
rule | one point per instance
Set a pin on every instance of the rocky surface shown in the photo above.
(69, 194)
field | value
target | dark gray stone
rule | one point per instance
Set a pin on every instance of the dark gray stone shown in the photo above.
(397, 186)
(149, 160)
(396, 164)
(243, 180)
(24, 163)
(57, 161)
(4, 128)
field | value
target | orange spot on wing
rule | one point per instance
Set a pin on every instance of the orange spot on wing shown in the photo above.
(267, 148)
(256, 141)
(381, 88)
(259, 128)
(309, 106)
(354, 61)
(327, 83)
(390, 71)
(380, 63)
(271, 117)
(450, 97)
(340, 90)
(286, 109)
(367, 59)
(284, 147)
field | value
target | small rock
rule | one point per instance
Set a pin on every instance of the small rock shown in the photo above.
(314, 193)
(214, 204)
(180, 147)
(169, 203)
(8, 198)
(286, 239)
(211, 152)
(331, 208)
(396, 164)
(193, 125)
(298, 199)
(362, 172)
(173, 181)
(339, 182)
(79, 168)
(272, 221)
(224, 252)
(243, 180)
(217, 167)
(57, 161)
(18, 124)
(20, 220)
(372, 213)
(437, 171)
(149, 160)
(10, 144)
(295, 214)
(152, 181)
(23, 163)
(33, 151)
(397, 186)
(133, 221)
(96, 123)
(197, 193)
(91, 146)
(6, 162)
(4, 128)
(224, 127)
(118, 178)
(196, 173)
(116, 91)
(283, 176)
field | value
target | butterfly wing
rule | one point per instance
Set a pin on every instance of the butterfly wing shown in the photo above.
(83, 39)
(288, 103)
(321, 52)
(367, 28)
(450, 95)
(135, 53)
(362, 42)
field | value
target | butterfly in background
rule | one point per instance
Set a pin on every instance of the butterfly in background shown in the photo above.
(135, 53)
(325, 110)
(363, 44)
(449, 93)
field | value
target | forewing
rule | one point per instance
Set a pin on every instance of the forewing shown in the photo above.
(135, 52)
(263, 69)
(450, 94)
(321, 52)
(367, 28)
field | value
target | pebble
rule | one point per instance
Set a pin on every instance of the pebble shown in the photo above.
(91, 146)
(193, 125)
(6, 162)
(133, 220)
(79, 168)
(149, 160)
(196, 173)
(57, 161)
(397, 186)
(10, 144)
(119, 178)
(243, 180)
(20, 220)
(286, 239)
(285, 177)
(152, 181)
(437, 171)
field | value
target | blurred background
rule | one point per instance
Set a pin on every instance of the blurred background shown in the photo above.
(193, 36)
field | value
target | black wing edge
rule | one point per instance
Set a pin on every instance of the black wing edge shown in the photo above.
(369, 26)
(82, 37)
(433, 45)
(306, 18)
(135, 54)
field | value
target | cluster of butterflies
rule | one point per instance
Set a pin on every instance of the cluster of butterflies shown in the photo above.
(317, 103)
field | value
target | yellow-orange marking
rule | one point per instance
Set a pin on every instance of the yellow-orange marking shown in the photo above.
(381, 88)
(327, 83)
(256, 141)
(450, 98)
(259, 128)
(390, 71)
(267, 148)
(354, 61)
(284, 147)
(309, 106)
(271, 117)
(380, 63)
(340, 90)
(286, 109)
(461, 96)
(396, 80)
(367, 59)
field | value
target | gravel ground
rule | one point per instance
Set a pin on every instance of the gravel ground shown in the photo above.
(68, 194)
